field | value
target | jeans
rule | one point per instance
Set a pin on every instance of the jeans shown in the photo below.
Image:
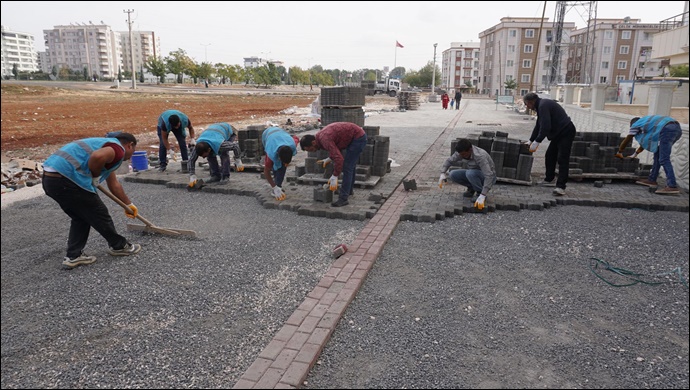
(559, 152)
(353, 150)
(223, 170)
(86, 210)
(473, 179)
(279, 175)
(662, 157)
(163, 151)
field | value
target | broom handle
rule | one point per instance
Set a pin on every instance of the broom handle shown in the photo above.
(124, 206)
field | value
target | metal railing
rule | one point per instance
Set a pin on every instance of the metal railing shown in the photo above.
(674, 21)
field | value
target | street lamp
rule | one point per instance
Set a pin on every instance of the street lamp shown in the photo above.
(433, 73)
(205, 45)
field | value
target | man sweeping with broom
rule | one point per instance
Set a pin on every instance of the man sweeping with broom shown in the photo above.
(71, 177)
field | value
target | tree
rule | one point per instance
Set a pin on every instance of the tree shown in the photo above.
(423, 77)
(206, 70)
(85, 72)
(510, 85)
(178, 63)
(15, 70)
(398, 73)
(157, 68)
(54, 71)
(679, 71)
(141, 73)
(119, 74)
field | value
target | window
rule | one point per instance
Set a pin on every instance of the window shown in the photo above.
(607, 49)
(509, 64)
(511, 48)
(624, 50)
(626, 34)
(622, 64)
(547, 64)
(526, 63)
(509, 77)
(604, 65)
(608, 35)
(646, 36)
(529, 48)
(579, 52)
(602, 80)
(529, 33)
(525, 78)
(577, 66)
(620, 78)
(570, 66)
(523, 92)
(512, 33)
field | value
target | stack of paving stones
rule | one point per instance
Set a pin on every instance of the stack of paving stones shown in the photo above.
(342, 104)
(512, 158)
(251, 146)
(408, 100)
(593, 153)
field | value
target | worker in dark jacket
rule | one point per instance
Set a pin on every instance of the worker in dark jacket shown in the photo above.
(555, 125)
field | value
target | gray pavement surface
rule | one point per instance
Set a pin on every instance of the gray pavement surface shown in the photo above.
(498, 299)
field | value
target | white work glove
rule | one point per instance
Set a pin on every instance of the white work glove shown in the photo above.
(171, 154)
(632, 155)
(192, 180)
(278, 193)
(333, 183)
(533, 146)
(479, 204)
(441, 180)
(191, 143)
(94, 182)
(238, 165)
(324, 162)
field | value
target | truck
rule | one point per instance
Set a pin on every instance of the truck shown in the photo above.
(389, 86)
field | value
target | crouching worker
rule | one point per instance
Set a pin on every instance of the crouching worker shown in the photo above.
(217, 140)
(71, 177)
(479, 176)
(280, 147)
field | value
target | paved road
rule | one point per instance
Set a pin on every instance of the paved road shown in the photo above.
(504, 299)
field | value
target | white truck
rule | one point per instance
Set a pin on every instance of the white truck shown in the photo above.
(389, 86)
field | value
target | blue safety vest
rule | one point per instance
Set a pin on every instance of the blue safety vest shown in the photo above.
(165, 118)
(216, 134)
(273, 139)
(72, 161)
(651, 126)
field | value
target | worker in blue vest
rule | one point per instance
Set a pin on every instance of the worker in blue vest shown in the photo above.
(176, 122)
(217, 140)
(280, 147)
(656, 134)
(71, 177)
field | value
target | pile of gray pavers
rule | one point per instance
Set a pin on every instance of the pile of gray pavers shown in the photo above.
(594, 153)
(511, 157)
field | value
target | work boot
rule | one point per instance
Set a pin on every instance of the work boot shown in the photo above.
(162, 168)
(647, 182)
(127, 250)
(340, 203)
(81, 260)
(667, 191)
(212, 179)
(224, 180)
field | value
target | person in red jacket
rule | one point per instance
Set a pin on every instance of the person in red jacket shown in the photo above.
(334, 137)
(444, 101)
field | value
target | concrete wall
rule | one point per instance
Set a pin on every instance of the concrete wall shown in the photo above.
(678, 113)
(586, 120)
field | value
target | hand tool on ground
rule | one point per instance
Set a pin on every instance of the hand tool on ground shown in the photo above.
(149, 227)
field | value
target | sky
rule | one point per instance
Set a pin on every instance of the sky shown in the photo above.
(346, 35)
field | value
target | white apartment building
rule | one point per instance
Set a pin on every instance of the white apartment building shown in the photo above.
(520, 49)
(18, 48)
(460, 66)
(146, 45)
(621, 49)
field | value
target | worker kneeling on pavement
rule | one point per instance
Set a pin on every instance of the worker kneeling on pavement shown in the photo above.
(479, 176)
(217, 140)
(280, 148)
(71, 177)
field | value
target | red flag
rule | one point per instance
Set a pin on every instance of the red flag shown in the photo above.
(397, 44)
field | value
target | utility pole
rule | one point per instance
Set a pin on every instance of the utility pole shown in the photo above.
(131, 46)
(433, 73)
(205, 45)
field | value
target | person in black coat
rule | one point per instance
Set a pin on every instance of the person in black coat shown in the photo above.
(457, 98)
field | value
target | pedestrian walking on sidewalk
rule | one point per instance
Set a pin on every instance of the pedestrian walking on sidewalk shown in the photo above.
(444, 101)
(554, 124)
(71, 177)
(457, 98)
(176, 122)
(280, 147)
(657, 134)
(479, 176)
(334, 137)
(217, 140)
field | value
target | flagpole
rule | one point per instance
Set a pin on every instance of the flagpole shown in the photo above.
(395, 61)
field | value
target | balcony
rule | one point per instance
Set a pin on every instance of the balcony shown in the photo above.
(672, 43)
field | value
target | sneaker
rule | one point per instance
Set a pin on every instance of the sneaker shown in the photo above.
(127, 250)
(162, 168)
(646, 182)
(212, 179)
(339, 203)
(545, 183)
(81, 260)
(468, 194)
(559, 191)
(667, 191)
(224, 180)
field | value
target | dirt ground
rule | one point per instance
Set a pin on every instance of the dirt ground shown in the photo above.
(36, 119)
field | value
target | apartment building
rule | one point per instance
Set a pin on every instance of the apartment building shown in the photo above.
(146, 45)
(460, 66)
(612, 50)
(18, 48)
(519, 49)
(95, 47)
